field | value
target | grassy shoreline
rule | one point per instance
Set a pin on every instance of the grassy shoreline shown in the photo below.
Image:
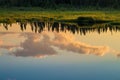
(24, 14)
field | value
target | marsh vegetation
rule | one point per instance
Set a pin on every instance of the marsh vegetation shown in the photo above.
(79, 11)
(13, 15)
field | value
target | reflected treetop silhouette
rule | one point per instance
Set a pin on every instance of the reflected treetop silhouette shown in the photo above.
(40, 26)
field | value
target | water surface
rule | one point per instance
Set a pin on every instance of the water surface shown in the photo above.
(59, 51)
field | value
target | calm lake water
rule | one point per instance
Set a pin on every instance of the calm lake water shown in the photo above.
(58, 51)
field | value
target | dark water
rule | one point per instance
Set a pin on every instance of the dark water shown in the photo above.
(59, 51)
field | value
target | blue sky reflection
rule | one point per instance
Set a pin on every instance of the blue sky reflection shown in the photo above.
(60, 57)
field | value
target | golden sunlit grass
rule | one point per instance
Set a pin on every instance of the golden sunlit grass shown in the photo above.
(14, 14)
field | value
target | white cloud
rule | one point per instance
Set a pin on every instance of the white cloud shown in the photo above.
(40, 45)
(68, 43)
(33, 46)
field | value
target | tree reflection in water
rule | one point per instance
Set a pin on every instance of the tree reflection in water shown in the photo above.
(40, 26)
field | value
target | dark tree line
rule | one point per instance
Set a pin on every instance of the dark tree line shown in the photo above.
(61, 3)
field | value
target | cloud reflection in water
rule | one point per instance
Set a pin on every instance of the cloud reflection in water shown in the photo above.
(41, 45)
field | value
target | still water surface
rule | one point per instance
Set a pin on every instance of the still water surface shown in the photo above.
(59, 52)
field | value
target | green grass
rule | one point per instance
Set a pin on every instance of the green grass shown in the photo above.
(14, 14)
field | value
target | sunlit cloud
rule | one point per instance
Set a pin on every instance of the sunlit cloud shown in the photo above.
(1, 42)
(69, 44)
(9, 41)
(33, 46)
(118, 55)
(42, 45)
